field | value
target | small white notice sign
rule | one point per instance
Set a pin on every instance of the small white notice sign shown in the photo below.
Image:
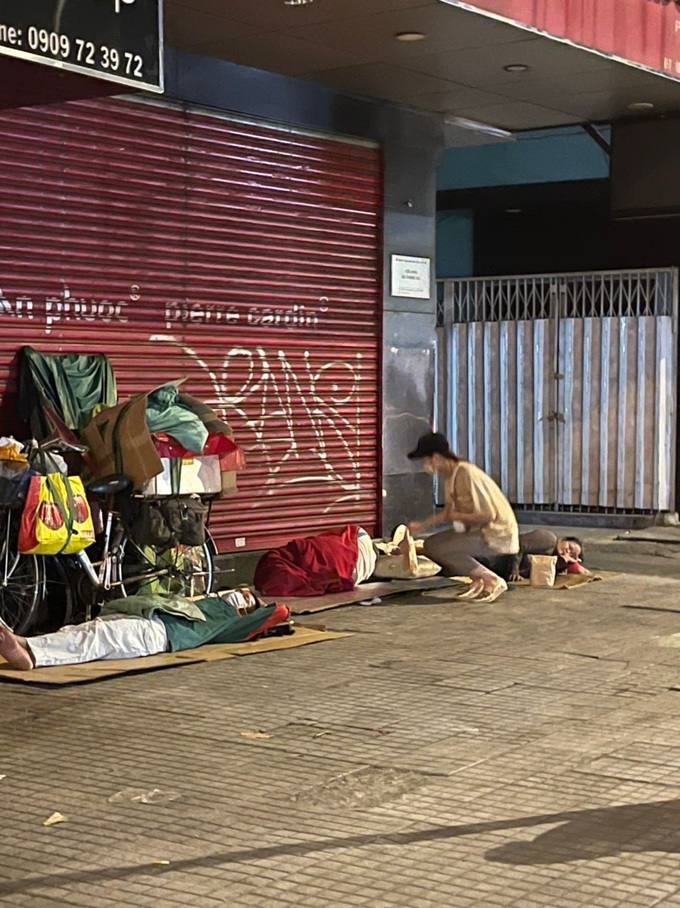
(411, 277)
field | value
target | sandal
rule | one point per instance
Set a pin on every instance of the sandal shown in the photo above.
(476, 589)
(491, 595)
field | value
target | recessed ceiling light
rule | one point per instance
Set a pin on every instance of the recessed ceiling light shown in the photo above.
(513, 210)
(641, 105)
(516, 68)
(297, 2)
(410, 36)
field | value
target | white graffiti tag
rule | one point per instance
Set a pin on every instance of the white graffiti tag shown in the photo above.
(289, 411)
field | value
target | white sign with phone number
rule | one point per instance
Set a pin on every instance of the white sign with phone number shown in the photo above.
(118, 40)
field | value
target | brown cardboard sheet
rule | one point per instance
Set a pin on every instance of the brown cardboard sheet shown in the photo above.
(380, 590)
(568, 581)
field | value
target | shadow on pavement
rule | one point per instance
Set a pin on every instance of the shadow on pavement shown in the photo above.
(581, 835)
(603, 832)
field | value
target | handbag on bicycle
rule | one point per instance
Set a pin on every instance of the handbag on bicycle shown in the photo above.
(56, 519)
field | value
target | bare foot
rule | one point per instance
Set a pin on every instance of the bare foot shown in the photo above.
(14, 650)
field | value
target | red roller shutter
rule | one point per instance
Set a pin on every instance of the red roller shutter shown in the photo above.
(242, 256)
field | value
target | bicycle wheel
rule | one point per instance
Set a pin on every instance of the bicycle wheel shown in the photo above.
(22, 586)
(183, 570)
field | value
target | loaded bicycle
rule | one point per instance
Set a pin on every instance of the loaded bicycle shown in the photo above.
(117, 565)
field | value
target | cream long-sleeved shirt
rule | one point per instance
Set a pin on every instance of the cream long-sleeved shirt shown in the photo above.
(472, 491)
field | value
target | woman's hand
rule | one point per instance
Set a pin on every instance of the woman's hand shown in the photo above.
(515, 577)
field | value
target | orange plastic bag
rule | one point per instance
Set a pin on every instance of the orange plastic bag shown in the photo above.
(56, 519)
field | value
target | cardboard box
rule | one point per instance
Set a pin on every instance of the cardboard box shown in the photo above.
(194, 475)
(229, 484)
(119, 442)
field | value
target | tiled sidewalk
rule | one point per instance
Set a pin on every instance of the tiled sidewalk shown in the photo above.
(525, 753)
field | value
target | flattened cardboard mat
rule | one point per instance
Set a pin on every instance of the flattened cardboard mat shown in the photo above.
(97, 671)
(381, 590)
(385, 589)
(567, 581)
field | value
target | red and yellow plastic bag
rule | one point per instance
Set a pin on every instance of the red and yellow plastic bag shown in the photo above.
(56, 519)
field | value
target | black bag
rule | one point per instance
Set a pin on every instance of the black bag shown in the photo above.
(186, 518)
(150, 526)
(13, 490)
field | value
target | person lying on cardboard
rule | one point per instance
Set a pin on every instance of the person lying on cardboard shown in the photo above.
(335, 561)
(331, 562)
(144, 626)
(568, 550)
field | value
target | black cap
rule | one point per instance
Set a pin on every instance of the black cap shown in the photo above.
(432, 443)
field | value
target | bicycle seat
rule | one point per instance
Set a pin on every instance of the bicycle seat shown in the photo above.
(109, 485)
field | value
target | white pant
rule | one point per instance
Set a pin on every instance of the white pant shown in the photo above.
(112, 637)
(365, 559)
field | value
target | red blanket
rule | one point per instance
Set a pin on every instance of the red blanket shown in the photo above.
(310, 566)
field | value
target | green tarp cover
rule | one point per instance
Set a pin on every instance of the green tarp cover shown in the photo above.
(71, 384)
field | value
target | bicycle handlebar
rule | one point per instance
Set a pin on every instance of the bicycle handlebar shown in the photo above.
(59, 444)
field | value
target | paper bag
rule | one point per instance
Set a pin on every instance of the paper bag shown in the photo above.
(542, 570)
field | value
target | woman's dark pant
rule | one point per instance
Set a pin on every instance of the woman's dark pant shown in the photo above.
(459, 553)
(537, 542)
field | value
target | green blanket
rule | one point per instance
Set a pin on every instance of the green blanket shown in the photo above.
(167, 412)
(70, 384)
(190, 624)
(147, 605)
(222, 624)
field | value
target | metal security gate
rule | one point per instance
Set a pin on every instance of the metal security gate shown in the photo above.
(243, 256)
(563, 387)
